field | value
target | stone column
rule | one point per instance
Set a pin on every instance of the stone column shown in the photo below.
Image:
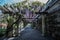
(43, 25)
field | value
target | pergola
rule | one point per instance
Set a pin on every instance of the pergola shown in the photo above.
(11, 10)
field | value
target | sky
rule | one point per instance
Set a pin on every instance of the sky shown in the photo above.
(43, 1)
(2, 2)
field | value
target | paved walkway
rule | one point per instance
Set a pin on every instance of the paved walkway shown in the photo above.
(31, 34)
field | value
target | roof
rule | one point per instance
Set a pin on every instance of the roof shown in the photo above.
(48, 5)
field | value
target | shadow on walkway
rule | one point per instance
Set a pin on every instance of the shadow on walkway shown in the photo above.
(31, 34)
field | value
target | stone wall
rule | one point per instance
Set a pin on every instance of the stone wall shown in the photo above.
(52, 19)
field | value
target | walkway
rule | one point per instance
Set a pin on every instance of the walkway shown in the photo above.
(31, 34)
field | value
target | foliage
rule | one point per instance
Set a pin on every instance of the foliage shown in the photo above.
(13, 18)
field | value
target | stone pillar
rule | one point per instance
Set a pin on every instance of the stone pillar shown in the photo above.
(43, 25)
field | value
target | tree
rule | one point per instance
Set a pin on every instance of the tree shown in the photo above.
(15, 12)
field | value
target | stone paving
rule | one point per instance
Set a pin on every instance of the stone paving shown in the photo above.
(30, 34)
